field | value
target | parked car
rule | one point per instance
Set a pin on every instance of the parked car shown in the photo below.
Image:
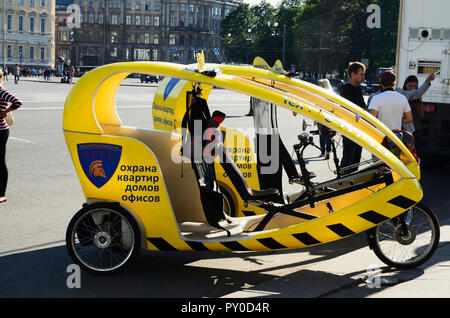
(336, 84)
(149, 78)
(372, 87)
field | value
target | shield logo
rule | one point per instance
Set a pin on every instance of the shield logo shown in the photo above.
(99, 161)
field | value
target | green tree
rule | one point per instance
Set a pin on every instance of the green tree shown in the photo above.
(234, 33)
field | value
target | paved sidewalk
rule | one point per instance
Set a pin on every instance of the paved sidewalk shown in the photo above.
(360, 274)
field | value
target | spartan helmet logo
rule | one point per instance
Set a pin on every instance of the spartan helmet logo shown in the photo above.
(96, 169)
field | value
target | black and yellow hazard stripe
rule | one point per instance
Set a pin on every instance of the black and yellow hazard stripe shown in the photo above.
(306, 239)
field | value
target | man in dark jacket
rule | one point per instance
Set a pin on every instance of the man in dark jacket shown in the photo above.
(352, 91)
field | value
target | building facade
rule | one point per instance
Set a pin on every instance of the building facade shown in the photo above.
(27, 36)
(148, 30)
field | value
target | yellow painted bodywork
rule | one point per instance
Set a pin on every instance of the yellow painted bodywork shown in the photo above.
(90, 117)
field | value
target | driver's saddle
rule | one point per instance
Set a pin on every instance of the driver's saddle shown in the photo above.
(240, 184)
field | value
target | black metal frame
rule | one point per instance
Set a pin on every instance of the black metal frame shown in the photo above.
(318, 192)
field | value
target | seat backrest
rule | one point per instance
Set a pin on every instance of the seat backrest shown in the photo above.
(182, 190)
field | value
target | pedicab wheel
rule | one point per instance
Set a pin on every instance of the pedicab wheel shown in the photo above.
(103, 238)
(229, 206)
(408, 240)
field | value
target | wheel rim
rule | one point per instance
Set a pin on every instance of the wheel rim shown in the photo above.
(103, 240)
(407, 247)
(227, 206)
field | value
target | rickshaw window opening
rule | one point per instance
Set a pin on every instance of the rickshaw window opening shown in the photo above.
(382, 177)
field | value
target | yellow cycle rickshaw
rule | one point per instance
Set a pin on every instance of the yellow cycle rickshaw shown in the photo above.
(142, 192)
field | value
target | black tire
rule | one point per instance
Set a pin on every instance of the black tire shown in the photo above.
(103, 238)
(422, 222)
(229, 206)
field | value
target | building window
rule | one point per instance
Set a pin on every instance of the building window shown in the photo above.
(138, 6)
(9, 22)
(147, 20)
(128, 5)
(138, 20)
(172, 7)
(156, 21)
(147, 6)
(114, 19)
(20, 2)
(191, 8)
(172, 39)
(114, 4)
(101, 4)
(114, 52)
(32, 3)
(156, 39)
(31, 53)
(128, 19)
(146, 38)
(142, 54)
(182, 20)
(42, 3)
(114, 37)
(172, 21)
(156, 6)
(91, 4)
(9, 51)
(20, 24)
(42, 53)
(42, 25)
(191, 20)
(100, 19)
(155, 54)
(182, 7)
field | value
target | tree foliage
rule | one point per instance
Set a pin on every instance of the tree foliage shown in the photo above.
(322, 36)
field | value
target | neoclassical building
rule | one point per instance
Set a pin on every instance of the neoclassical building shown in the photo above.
(148, 30)
(27, 33)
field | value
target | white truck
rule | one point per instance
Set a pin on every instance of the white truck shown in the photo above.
(423, 47)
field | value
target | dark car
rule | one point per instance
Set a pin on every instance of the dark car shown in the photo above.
(372, 87)
(311, 80)
(149, 78)
(336, 84)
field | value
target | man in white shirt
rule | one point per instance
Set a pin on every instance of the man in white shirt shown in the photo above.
(390, 107)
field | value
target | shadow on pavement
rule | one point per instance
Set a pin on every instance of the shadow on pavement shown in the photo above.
(43, 273)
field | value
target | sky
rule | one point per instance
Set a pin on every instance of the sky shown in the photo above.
(253, 2)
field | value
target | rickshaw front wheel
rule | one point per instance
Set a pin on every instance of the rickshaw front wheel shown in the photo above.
(408, 240)
(103, 238)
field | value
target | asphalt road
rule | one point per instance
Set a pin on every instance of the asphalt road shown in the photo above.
(44, 193)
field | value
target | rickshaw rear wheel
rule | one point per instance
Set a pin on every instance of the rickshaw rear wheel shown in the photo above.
(229, 206)
(103, 238)
(408, 240)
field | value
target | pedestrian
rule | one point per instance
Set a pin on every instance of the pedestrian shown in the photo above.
(70, 72)
(390, 107)
(352, 91)
(411, 84)
(410, 94)
(5, 98)
(16, 71)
